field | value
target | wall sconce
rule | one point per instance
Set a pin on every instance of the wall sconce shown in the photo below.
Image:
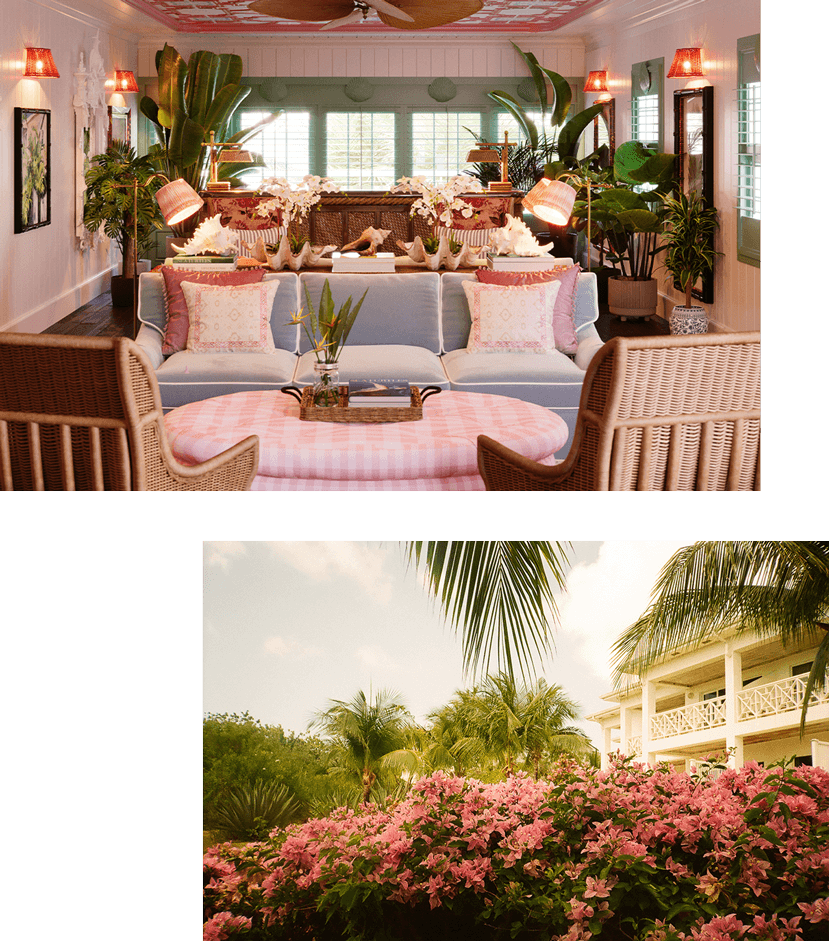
(687, 64)
(125, 82)
(596, 81)
(40, 64)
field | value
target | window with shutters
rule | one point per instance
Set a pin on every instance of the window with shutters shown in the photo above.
(748, 150)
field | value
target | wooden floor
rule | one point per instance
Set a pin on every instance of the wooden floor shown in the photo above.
(99, 318)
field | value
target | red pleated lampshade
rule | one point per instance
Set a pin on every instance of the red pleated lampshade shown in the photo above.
(687, 64)
(125, 82)
(596, 82)
(40, 64)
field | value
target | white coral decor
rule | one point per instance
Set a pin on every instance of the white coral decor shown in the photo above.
(439, 202)
(515, 238)
(293, 202)
(211, 236)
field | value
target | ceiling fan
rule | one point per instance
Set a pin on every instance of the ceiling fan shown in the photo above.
(403, 14)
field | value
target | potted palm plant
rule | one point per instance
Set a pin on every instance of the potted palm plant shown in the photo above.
(110, 194)
(632, 222)
(690, 225)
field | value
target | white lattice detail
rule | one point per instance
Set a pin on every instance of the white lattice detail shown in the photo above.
(774, 698)
(701, 715)
(634, 746)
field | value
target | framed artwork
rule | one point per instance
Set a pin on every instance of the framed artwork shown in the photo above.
(604, 129)
(119, 125)
(32, 206)
(694, 149)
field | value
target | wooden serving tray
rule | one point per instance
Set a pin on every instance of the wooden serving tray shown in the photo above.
(342, 413)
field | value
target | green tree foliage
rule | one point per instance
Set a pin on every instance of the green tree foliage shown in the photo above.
(369, 738)
(504, 727)
(252, 811)
(240, 752)
(771, 589)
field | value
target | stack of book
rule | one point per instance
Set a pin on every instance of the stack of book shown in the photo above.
(202, 262)
(523, 262)
(377, 393)
(354, 262)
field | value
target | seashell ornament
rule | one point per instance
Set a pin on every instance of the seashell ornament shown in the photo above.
(284, 258)
(515, 238)
(368, 241)
(443, 257)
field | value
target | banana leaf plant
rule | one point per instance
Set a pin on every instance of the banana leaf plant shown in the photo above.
(195, 98)
(632, 221)
(555, 108)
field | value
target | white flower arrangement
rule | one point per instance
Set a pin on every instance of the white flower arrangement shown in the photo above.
(211, 236)
(293, 202)
(444, 198)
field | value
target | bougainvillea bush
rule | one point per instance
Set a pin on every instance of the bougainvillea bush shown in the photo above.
(629, 853)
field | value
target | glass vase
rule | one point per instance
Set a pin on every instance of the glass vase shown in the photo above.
(327, 385)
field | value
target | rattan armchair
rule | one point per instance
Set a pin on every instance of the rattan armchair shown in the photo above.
(84, 413)
(656, 413)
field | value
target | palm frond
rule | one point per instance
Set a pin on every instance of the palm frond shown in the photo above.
(498, 595)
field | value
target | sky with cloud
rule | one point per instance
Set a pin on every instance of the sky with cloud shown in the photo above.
(289, 626)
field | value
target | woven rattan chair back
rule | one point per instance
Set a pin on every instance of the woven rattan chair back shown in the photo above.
(656, 413)
(84, 413)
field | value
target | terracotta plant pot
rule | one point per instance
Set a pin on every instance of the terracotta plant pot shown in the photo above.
(687, 320)
(629, 298)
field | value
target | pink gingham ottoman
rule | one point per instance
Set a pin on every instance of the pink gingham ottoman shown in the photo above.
(439, 452)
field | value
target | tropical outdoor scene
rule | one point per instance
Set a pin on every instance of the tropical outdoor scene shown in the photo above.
(516, 740)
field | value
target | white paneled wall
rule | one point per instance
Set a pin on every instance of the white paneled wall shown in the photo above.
(298, 56)
(648, 33)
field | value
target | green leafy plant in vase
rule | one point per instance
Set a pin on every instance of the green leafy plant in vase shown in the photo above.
(689, 236)
(327, 332)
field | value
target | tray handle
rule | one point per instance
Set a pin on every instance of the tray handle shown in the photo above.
(426, 391)
(293, 391)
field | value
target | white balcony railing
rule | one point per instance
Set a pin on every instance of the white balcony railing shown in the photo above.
(634, 746)
(709, 714)
(778, 697)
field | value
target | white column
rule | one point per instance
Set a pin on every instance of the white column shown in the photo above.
(648, 710)
(733, 684)
(624, 719)
(607, 732)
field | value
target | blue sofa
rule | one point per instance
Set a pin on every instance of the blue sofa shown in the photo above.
(411, 326)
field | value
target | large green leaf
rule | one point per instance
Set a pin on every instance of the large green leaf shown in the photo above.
(538, 77)
(185, 141)
(568, 138)
(526, 123)
(639, 220)
(202, 70)
(563, 96)
(223, 107)
(172, 73)
(150, 111)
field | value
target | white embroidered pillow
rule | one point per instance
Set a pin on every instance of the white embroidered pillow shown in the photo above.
(232, 318)
(511, 319)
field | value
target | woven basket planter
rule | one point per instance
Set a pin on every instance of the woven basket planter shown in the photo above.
(629, 298)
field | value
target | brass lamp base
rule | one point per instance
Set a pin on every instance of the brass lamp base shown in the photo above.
(499, 187)
(219, 186)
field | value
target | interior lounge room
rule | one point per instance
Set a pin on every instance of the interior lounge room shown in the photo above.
(395, 246)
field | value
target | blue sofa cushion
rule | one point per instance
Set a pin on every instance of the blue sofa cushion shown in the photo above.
(398, 308)
(190, 377)
(549, 379)
(411, 363)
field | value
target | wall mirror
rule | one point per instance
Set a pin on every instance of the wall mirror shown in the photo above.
(694, 147)
(604, 129)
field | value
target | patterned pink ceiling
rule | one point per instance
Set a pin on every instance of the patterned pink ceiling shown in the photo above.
(235, 16)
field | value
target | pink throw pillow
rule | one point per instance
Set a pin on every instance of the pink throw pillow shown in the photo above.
(178, 319)
(511, 318)
(564, 312)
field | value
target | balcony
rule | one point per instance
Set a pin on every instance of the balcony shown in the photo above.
(778, 697)
(697, 717)
(634, 746)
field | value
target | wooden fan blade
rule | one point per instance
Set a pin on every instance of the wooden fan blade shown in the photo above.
(427, 14)
(312, 11)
